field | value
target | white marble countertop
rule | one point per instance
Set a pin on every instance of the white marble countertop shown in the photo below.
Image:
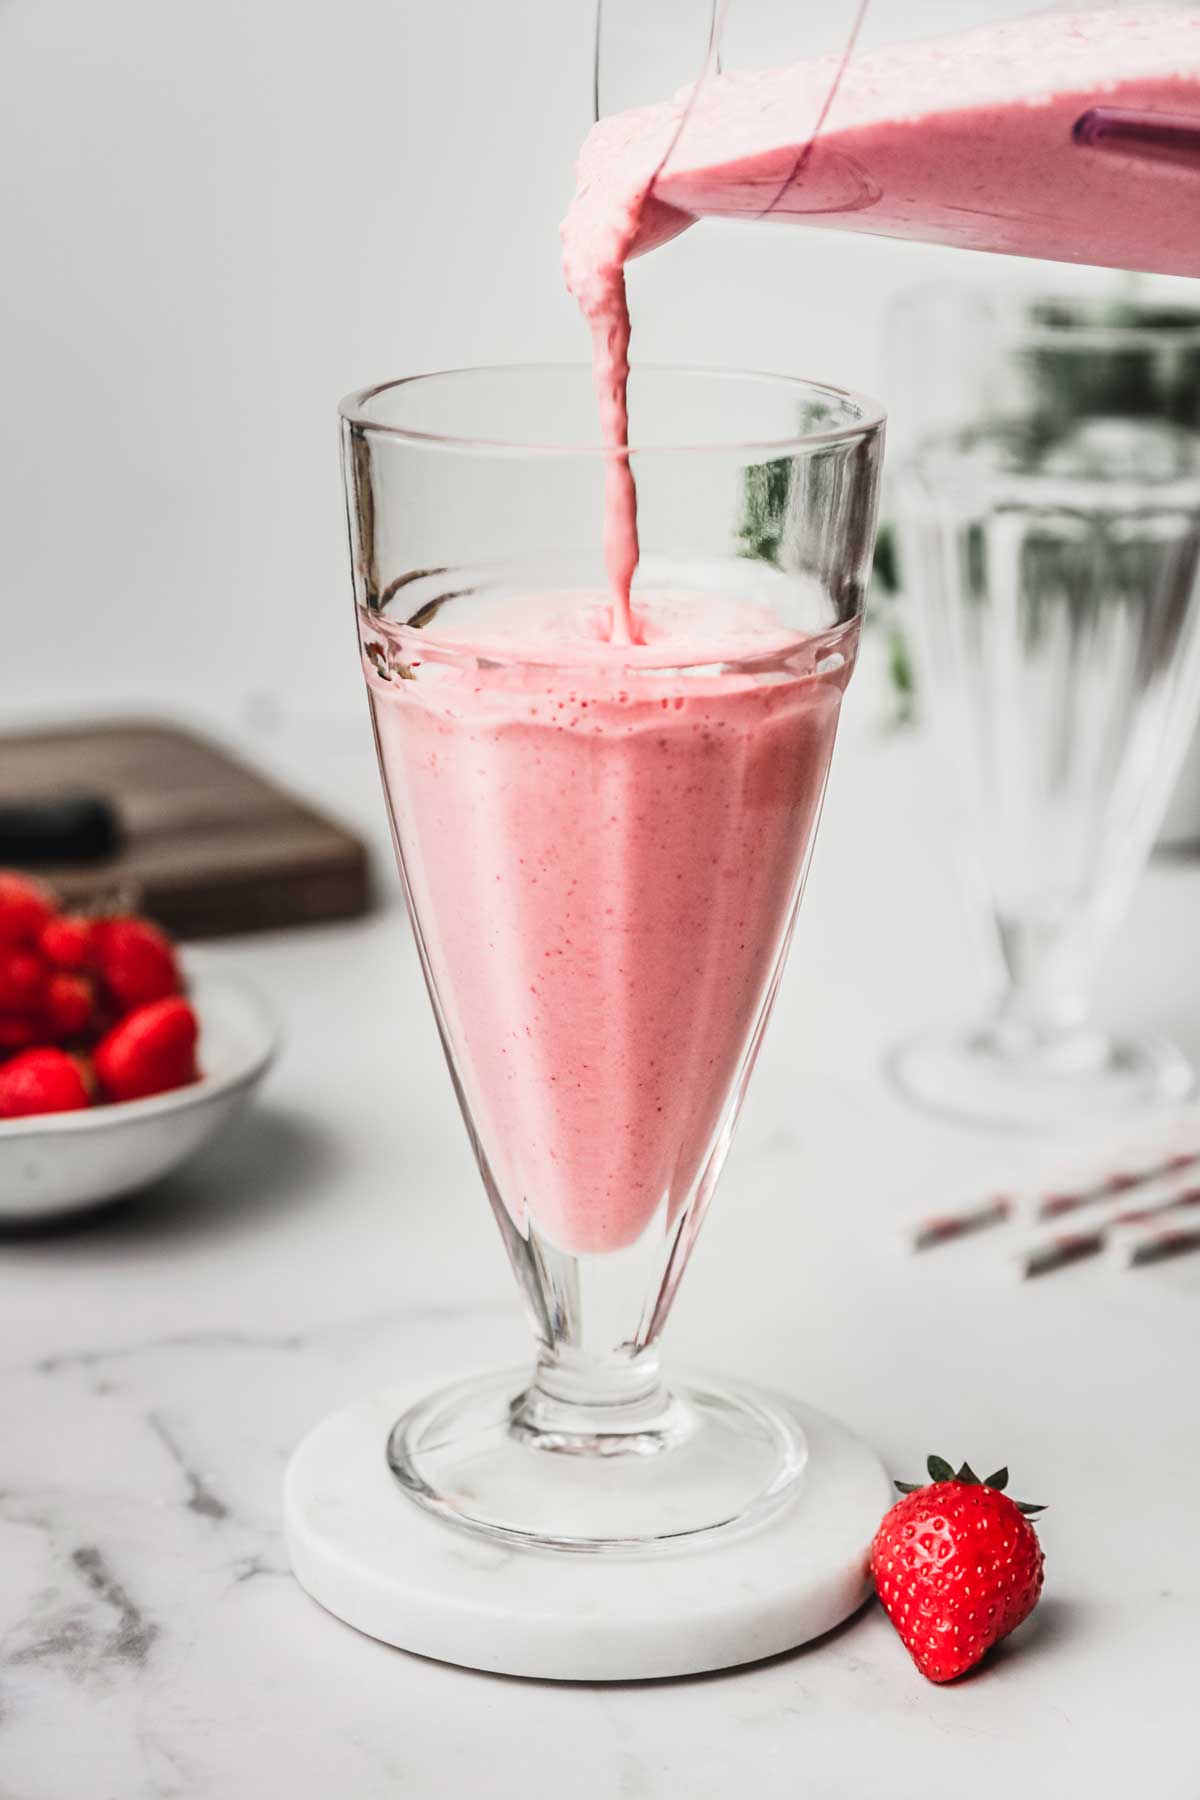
(161, 1361)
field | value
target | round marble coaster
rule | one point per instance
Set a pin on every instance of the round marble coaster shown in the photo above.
(361, 1548)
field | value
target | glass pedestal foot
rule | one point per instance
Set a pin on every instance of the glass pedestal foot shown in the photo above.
(970, 1074)
(496, 1457)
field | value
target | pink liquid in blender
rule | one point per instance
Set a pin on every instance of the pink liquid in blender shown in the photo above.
(610, 854)
(963, 140)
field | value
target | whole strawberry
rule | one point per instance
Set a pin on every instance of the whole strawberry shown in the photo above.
(41, 1081)
(69, 1007)
(17, 1033)
(67, 942)
(22, 982)
(148, 1052)
(136, 961)
(25, 906)
(957, 1566)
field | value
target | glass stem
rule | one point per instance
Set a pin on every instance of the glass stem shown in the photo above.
(1042, 1014)
(588, 1403)
(1049, 1028)
(1043, 1017)
(597, 1384)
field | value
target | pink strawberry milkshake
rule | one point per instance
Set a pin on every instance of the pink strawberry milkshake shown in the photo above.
(605, 846)
(961, 140)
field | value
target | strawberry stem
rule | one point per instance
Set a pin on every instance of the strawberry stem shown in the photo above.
(941, 1470)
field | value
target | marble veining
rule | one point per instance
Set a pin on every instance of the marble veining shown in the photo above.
(201, 1499)
(83, 1632)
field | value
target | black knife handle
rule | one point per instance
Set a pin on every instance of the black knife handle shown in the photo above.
(59, 829)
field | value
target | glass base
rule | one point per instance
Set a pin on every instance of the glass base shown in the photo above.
(496, 1456)
(974, 1075)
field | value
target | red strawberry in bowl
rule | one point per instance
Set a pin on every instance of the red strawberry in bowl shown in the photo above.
(17, 1033)
(957, 1566)
(136, 961)
(69, 1005)
(41, 1081)
(25, 906)
(68, 941)
(150, 1051)
(22, 982)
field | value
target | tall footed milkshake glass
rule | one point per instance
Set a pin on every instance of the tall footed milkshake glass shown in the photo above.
(603, 826)
(1049, 523)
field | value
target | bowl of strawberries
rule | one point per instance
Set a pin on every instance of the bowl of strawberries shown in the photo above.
(116, 1062)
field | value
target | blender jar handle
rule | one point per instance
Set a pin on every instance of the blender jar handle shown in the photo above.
(1161, 137)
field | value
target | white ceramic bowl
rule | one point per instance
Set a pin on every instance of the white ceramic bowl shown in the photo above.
(61, 1162)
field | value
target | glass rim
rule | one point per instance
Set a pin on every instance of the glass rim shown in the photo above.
(873, 415)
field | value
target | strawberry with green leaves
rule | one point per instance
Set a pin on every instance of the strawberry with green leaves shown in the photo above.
(957, 1565)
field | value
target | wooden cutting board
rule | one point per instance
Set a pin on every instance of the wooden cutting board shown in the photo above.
(209, 846)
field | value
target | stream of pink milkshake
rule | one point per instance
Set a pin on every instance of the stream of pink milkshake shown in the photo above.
(961, 140)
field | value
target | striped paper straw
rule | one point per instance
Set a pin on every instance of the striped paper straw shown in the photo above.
(944, 1228)
(1127, 1227)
